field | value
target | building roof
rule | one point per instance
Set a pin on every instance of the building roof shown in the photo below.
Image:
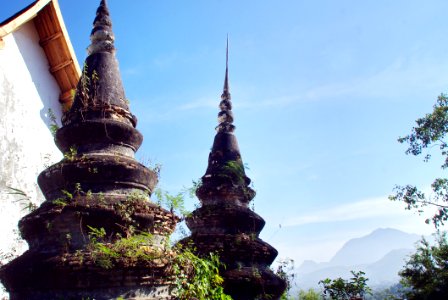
(53, 38)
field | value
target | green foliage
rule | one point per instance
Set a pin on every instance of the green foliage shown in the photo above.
(341, 289)
(394, 292)
(54, 124)
(101, 198)
(71, 154)
(175, 203)
(198, 278)
(285, 271)
(128, 251)
(85, 80)
(68, 197)
(73, 94)
(88, 86)
(60, 202)
(23, 199)
(195, 277)
(191, 191)
(426, 271)
(85, 85)
(428, 134)
(311, 294)
(148, 162)
(95, 76)
(126, 209)
(96, 234)
(67, 194)
(234, 170)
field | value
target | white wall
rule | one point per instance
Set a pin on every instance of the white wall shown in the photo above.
(27, 91)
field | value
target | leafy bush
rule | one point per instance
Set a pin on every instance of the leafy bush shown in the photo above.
(341, 289)
(426, 271)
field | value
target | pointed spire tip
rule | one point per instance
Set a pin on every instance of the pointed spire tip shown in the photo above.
(226, 90)
(102, 38)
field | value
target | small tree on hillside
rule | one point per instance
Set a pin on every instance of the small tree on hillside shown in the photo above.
(285, 270)
(311, 294)
(426, 272)
(340, 289)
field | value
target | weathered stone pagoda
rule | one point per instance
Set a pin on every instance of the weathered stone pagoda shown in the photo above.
(97, 198)
(225, 224)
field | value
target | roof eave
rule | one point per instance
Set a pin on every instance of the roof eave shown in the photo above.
(21, 17)
(55, 41)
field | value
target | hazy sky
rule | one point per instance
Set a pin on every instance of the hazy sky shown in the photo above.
(321, 92)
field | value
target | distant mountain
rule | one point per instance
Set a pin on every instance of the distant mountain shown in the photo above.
(373, 247)
(309, 266)
(385, 271)
(311, 280)
(380, 255)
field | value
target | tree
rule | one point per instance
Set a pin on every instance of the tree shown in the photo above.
(285, 270)
(426, 271)
(429, 133)
(309, 295)
(341, 289)
(394, 292)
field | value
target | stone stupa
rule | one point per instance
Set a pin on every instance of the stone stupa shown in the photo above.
(225, 224)
(98, 192)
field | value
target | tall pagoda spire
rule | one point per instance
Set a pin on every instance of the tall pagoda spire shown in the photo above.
(225, 116)
(97, 193)
(225, 224)
(226, 90)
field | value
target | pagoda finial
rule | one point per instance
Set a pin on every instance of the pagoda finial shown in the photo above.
(102, 38)
(225, 116)
(100, 93)
(226, 90)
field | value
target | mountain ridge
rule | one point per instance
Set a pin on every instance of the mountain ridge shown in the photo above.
(372, 247)
(380, 254)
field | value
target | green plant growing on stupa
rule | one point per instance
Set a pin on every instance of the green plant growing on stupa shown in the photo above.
(23, 199)
(175, 203)
(54, 124)
(198, 278)
(194, 277)
(71, 154)
(128, 251)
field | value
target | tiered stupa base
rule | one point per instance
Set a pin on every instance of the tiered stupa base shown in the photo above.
(232, 231)
(76, 276)
(63, 263)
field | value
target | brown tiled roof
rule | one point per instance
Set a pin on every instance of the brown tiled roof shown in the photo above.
(53, 38)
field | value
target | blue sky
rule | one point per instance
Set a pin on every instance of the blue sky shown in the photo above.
(321, 90)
